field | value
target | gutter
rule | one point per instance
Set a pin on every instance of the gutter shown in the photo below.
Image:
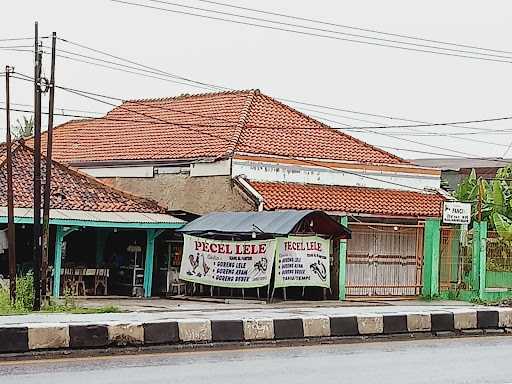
(250, 189)
(445, 194)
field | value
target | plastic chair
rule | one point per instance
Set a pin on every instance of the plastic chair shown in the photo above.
(101, 281)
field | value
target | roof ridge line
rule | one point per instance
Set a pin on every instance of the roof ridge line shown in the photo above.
(244, 116)
(191, 95)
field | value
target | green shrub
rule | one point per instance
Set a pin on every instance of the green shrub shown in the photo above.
(24, 293)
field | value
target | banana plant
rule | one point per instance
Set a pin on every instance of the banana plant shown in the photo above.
(503, 226)
(493, 201)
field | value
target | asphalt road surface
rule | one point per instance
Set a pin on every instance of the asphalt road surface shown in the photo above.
(468, 360)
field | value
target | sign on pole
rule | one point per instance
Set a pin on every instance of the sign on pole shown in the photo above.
(224, 263)
(303, 262)
(455, 212)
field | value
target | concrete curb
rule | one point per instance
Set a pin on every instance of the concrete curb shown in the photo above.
(34, 337)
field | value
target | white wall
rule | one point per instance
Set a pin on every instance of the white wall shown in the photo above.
(146, 171)
(271, 172)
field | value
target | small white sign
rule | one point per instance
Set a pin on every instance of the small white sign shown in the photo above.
(455, 212)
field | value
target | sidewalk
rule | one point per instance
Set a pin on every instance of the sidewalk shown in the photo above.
(204, 322)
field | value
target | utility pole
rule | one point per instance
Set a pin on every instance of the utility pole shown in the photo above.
(10, 197)
(37, 174)
(48, 177)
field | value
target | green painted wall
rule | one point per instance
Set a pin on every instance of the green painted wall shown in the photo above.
(431, 243)
(343, 263)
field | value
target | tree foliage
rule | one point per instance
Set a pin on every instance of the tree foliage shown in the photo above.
(495, 197)
(23, 128)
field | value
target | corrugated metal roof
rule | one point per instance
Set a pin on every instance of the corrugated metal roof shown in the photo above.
(268, 222)
(451, 164)
(94, 216)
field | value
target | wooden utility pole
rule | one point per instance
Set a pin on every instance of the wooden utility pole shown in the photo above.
(10, 196)
(37, 174)
(48, 177)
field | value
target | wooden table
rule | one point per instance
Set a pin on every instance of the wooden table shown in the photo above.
(75, 279)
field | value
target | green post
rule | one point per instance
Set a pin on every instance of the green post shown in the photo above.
(343, 263)
(483, 259)
(148, 265)
(61, 233)
(57, 261)
(475, 265)
(431, 241)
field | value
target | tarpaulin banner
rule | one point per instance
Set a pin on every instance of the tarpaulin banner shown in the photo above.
(224, 263)
(302, 261)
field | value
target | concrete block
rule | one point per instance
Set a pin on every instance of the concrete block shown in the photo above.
(316, 326)
(227, 330)
(48, 336)
(465, 319)
(442, 322)
(418, 322)
(472, 332)
(161, 333)
(505, 317)
(288, 329)
(195, 330)
(88, 336)
(126, 334)
(487, 319)
(13, 339)
(258, 329)
(495, 331)
(393, 324)
(344, 326)
(370, 324)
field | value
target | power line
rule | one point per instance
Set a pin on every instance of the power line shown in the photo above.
(123, 70)
(180, 5)
(189, 126)
(262, 151)
(348, 127)
(16, 38)
(142, 65)
(153, 70)
(420, 143)
(351, 27)
(207, 133)
(304, 33)
(422, 133)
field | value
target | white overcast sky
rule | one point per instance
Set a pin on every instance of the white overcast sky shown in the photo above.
(345, 75)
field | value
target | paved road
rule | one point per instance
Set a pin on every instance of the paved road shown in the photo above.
(469, 360)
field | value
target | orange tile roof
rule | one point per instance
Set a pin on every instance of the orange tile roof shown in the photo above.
(350, 200)
(70, 189)
(207, 126)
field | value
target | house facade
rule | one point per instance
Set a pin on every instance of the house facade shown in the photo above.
(102, 240)
(245, 151)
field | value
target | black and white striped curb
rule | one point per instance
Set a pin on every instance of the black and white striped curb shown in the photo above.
(45, 336)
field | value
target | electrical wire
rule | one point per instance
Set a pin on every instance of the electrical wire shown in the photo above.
(216, 87)
(123, 2)
(180, 5)
(350, 27)
(260, 150)
(142, 65)
(346, 126)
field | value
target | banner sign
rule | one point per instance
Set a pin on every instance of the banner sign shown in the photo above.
(224, 263)
(302, 261)
(455, 212)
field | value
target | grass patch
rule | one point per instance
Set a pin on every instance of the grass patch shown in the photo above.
(25, 300)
